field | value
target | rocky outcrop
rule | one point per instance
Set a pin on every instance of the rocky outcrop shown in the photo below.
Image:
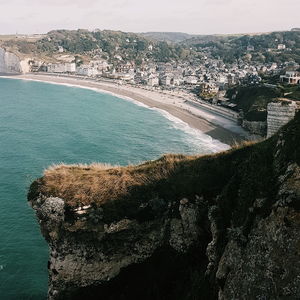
(9, 62)
(225, 226)
(280, 113)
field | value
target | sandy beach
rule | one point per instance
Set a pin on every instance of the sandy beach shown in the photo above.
(208, 122)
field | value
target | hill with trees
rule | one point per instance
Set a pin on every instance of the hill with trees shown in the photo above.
(276, 47)
(104, 44)
(173, 37)
(263, 47)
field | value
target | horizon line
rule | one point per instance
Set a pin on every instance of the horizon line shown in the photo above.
(145, 32)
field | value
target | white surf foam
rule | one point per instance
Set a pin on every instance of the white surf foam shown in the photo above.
(195, 136)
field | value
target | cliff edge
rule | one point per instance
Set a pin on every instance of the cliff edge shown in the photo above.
(224, 226)
(10, 63)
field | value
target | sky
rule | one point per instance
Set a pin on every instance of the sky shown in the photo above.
(191, 16)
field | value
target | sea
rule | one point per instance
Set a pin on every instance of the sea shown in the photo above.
(42, 124)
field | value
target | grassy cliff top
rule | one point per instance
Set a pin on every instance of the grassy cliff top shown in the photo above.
(233, 179)
(99, 183)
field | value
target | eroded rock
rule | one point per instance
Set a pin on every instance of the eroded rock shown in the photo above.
(224, 226)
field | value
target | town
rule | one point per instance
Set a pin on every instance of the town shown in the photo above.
(219, 80)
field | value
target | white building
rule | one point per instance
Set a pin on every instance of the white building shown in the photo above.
(100, 65)
(191, 79)
(290, 77)
(62, 68)
(281, 46)
(153, 81)
(118, 76)
(60, 49)
(221, 78)
(86, 70)
(250, 48)
(118, 57)
(166, 80)
(177, 80)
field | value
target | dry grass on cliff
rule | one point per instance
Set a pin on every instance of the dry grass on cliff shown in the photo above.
(99, 183)
(243, 144)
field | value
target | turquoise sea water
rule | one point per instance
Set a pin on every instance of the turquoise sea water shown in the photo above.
(42, 124)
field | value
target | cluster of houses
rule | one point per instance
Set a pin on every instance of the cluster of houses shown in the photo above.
(278, 47)
(211, 77)
(214, 74)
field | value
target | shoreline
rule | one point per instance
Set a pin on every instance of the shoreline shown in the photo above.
(195, 118)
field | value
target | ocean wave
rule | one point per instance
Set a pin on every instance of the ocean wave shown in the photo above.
(195, 136)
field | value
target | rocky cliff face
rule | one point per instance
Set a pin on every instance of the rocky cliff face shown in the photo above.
(225, 226)
(9, 62)
(280, 113)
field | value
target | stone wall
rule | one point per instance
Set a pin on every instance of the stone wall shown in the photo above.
(9, 62)
(279, 114)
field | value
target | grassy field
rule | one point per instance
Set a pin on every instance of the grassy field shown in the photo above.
(23, 37)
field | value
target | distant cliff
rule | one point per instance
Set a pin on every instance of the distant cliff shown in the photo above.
(225, 226)
(9, 63)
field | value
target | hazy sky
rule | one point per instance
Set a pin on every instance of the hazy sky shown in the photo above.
(192, 16)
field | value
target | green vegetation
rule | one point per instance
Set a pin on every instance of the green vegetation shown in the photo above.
(253, 100)
(233, 47)
(107, 43)
(173, 37)
(165, 46)
(291, 92)
(102, 44)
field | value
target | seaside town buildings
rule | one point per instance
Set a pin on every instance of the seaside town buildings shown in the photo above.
(208, 79)
(61, 68)
(210, 76)
(290, 77)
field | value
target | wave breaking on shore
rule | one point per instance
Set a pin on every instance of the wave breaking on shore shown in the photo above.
(195, 136)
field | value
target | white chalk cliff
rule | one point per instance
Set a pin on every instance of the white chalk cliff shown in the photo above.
(9, 62)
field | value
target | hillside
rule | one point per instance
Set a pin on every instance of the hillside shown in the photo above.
(233, 47)
(224, 226)
(158, 46)
(253, 100)
(98, 44)
(173, 37)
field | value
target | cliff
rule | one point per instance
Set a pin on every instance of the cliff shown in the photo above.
(280, 113)
(224, 226)
(9, 62)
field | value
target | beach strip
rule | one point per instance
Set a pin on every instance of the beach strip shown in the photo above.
(174, 105)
